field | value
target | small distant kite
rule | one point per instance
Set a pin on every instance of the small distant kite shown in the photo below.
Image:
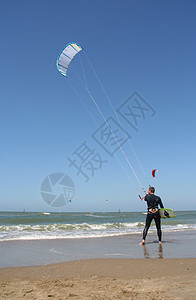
(153, 172)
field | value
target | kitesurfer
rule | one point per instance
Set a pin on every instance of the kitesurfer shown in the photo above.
(153, 203)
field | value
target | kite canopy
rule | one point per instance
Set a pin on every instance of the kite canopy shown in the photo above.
(153, 172)
(66, 56)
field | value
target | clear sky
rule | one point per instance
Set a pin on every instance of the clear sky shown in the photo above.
(146, 47)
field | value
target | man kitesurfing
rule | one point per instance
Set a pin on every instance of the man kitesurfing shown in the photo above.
(153, 203)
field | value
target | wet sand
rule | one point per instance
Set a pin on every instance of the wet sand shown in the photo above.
(102, 279)
(42, 252)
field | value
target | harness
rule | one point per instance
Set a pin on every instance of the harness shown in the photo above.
(153, 210)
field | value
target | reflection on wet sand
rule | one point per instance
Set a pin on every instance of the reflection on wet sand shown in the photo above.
(159, 254)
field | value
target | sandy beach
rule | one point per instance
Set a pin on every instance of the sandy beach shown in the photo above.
(102, 279)
(100, 268)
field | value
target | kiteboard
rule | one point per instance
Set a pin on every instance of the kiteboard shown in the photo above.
(166, 213)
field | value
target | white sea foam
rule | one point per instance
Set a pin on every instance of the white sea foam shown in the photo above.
(83, 230)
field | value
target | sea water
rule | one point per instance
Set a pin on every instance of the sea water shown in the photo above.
(15, 226)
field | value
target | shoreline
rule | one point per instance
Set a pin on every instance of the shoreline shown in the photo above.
(102, 279)
(44, 252)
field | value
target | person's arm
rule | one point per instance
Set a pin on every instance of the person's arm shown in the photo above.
(161, 203)
(166, 214)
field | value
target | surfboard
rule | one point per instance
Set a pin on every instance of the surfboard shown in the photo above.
(170, 212)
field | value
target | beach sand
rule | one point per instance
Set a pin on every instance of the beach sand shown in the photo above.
(102, 279)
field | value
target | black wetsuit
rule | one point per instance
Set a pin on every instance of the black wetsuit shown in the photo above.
(153, 203)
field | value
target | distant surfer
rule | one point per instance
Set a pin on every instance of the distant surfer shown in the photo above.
(153, 203)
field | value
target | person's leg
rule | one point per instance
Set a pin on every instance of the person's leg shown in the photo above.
(149, 218)
(158, 226)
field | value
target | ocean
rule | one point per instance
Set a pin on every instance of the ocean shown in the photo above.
(16, 226)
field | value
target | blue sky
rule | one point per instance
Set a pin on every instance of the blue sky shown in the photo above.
(143, 46)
